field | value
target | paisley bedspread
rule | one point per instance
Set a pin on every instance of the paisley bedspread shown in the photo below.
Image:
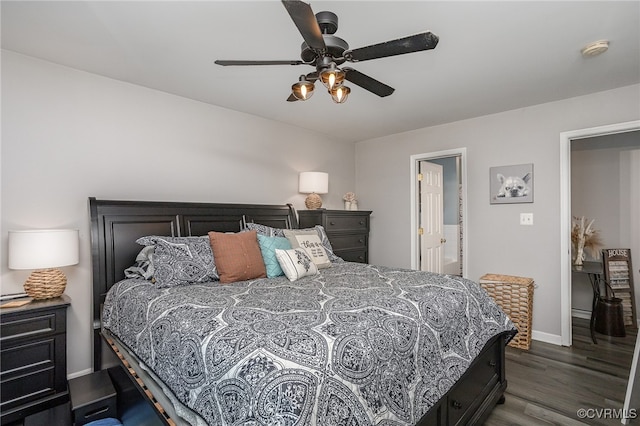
(354, 345)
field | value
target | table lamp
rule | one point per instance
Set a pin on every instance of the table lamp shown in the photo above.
(44, 250)
(313, 183)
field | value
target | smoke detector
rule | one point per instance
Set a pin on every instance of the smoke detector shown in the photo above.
(595, 48)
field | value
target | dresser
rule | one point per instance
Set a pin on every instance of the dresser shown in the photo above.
(33, 358)
(348, 231)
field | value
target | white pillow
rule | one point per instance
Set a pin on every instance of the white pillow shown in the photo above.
(296, 263)
(309, 240)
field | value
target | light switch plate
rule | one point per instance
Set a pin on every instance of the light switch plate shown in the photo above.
(526, 219)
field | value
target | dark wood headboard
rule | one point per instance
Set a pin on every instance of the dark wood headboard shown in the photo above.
(116, 225)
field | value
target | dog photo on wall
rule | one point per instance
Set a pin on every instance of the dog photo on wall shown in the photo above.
(511, 184)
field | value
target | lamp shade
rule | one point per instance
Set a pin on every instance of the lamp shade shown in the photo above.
(310, 182)
(43, 248)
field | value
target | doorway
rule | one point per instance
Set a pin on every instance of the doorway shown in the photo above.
(566, 138)
(453, 217)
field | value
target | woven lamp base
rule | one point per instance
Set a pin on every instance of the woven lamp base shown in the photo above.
(45, 284)
(313, 201)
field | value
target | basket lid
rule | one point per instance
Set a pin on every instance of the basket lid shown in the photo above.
(500, 278)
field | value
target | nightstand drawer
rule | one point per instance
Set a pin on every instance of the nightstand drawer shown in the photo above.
(347, 223)
(18, 359)
(27, 388)
(27, 326)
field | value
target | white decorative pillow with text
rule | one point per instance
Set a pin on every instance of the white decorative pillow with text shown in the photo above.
(309, 240)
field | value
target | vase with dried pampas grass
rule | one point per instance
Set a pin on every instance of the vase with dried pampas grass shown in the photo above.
(584, 238)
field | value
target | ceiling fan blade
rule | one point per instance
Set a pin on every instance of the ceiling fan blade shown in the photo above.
(302, 15)
(410, 44)
(228, 63)
(367, 83)
(291, 98)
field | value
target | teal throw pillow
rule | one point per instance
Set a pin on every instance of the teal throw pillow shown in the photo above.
(268, 246)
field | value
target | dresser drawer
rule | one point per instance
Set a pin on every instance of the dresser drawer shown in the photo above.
(339, 242)
(359, 256)
(347, 230)
(351, 223)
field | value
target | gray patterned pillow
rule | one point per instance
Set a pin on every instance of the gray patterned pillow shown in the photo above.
(268, 231)
(143, 268)
(181, 260)
(265, 230)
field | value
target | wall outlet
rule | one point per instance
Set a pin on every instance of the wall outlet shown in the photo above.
(526, 219)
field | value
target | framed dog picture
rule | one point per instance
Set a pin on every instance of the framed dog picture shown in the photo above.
(511, 184)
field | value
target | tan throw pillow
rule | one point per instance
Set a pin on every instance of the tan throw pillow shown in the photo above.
(309, 240)
(237, 256)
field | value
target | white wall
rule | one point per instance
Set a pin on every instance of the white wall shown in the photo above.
(497, 243)
(68, 135)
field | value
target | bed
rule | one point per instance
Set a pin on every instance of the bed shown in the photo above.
(352, 344)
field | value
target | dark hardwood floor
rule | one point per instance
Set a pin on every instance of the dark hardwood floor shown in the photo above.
(548, 384)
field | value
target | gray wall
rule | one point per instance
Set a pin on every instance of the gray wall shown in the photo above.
(497, 243)
(68, 135)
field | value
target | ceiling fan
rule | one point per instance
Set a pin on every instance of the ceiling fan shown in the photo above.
(325, 52)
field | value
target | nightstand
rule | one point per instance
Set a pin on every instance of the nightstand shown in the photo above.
(33, 358)
(347, 230)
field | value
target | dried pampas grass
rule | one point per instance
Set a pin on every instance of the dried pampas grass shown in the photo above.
(585, 237)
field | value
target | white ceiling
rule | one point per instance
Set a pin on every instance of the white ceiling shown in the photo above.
(492, 56)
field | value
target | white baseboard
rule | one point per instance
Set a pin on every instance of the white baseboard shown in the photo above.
(540, 336)
(79, 373)
(580, 313)
(555, 339)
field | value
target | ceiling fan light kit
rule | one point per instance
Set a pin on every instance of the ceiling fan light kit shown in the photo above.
(324, 51)
(303, 89)
(339, 94)
(332, 76)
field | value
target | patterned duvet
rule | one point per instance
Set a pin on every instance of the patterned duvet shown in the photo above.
(354, 345)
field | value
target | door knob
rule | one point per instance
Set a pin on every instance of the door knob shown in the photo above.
(443, 240)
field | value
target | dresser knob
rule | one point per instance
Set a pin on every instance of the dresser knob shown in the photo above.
(361, 240)
(332, 223)
(362, 222)
(456, 405)
(492, 363)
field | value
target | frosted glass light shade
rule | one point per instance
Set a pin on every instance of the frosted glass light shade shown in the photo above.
(310, 182)
(43, 248)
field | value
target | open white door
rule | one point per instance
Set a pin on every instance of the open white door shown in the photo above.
(431, 226)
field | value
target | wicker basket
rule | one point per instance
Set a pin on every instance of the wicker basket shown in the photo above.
(515, 296)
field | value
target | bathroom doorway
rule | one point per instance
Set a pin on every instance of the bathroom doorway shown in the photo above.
(453, 213)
